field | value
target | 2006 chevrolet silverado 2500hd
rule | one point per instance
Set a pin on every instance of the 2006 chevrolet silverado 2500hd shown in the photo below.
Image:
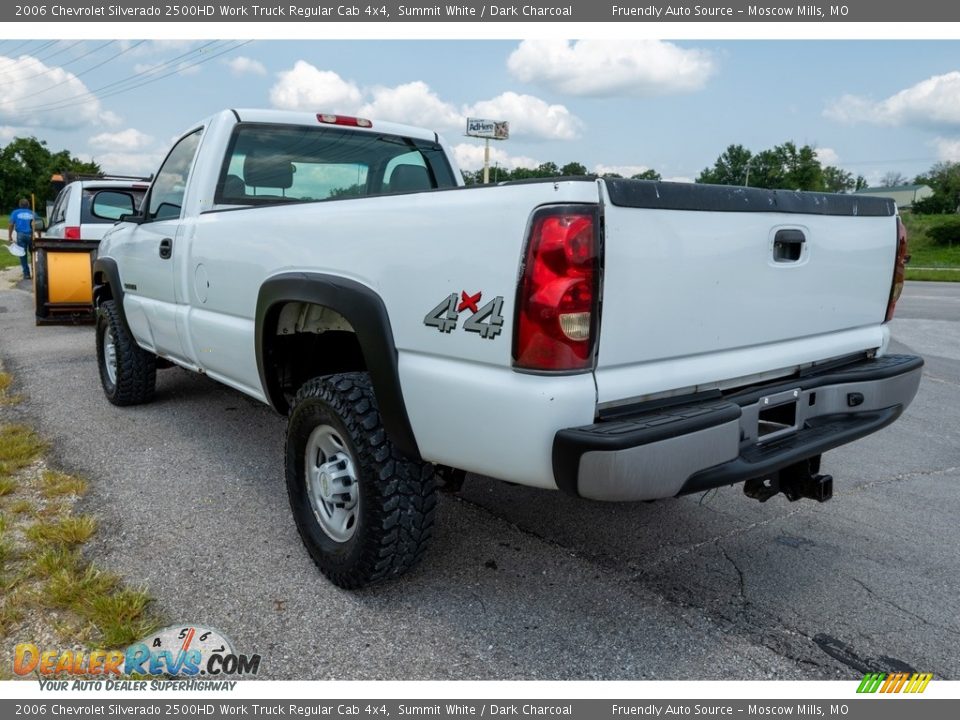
(615, 339)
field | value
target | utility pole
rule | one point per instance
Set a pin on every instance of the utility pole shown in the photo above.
(486, 162)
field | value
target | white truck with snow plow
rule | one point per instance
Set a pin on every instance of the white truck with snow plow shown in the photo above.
(615, 339)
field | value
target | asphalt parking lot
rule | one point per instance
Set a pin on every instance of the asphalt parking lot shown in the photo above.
(525, 584)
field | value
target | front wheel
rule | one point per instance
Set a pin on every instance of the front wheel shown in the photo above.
(363, 510)
(128, 373)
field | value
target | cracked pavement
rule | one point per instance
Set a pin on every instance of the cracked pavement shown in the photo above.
(520, 583)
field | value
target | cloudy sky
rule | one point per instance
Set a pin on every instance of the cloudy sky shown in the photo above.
(614, 105)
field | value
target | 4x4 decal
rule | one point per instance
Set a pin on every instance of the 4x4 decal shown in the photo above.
(487, 321)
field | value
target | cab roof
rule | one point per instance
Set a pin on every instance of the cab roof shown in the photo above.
(290, 117)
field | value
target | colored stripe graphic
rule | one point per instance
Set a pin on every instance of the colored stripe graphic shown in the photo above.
(918, 683)
(871, 682)
(894, 682)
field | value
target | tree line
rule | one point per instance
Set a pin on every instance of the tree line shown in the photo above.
(782, 166)
(26, 165)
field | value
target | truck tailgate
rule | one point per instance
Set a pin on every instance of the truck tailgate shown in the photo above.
(752, 280)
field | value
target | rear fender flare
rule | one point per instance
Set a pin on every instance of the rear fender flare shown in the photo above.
(367, 314)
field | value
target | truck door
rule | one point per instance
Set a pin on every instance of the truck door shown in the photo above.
(148, 253)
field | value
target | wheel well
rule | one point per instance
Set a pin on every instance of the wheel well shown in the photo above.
(101, 288)
(307, 341)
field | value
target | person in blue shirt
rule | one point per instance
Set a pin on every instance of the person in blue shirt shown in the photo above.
(21, 221)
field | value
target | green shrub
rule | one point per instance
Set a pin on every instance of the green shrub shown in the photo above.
(946, 231)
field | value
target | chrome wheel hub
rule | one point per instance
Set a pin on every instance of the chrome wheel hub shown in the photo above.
(332, 485)
(110, 355)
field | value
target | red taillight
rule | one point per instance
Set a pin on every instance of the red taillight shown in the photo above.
(559, 292)
(344, 120)
(71, 232)
(899, 269)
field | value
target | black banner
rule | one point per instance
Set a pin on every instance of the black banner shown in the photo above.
(80, 11)
(854, 709)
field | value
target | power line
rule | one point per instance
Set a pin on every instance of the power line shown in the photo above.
(74, 76)
(134, 81)
(52, 70)
(93, 95)
(42, 46)
(18, 45)
(58, 52)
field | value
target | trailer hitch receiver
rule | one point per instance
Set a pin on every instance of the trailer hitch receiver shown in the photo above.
(801, 480)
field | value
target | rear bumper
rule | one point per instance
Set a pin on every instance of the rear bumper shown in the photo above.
(753, 433)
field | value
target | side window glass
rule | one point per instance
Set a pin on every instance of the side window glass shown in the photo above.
(166, 195)
(60, 206)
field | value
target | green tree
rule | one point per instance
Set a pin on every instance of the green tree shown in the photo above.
(944, 178)
(837, 180)
(574, 168)
(730, 168)
(26, 166)
(648, 174)
(802, 169)
(783, 166)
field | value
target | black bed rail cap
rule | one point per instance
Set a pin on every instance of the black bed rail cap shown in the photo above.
(732, 198)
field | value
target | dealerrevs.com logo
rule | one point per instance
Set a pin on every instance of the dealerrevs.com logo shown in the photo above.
(178, 651)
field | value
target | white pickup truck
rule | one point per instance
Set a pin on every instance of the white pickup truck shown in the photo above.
(614, 339)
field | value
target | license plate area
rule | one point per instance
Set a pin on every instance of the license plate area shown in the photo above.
(777, 415)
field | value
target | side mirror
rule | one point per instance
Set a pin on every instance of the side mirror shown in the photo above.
(113, 205)
(39, 224)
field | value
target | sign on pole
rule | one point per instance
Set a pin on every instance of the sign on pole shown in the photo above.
(488, 130)
(491, 129)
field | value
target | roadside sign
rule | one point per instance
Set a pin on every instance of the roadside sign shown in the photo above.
(490, 129)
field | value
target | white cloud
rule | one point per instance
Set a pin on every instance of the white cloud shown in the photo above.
(948, 149)
(125, 140)
(246, 66)
(413, 103)
(305, 87)
(8, 133)
(827, 156)
(470, 157)
(529, 116)
(127, 163)
(624, 170)
(38, 95)
(931, 102)
(602, 68)
(110, 118)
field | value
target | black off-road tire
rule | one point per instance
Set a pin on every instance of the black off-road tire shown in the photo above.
(135, 374)
(397, 496)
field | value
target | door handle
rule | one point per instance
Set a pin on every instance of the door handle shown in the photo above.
(166, 248)
(788, 245)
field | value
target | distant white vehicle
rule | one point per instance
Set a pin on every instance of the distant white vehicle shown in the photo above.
(72, 217)
(614, 339)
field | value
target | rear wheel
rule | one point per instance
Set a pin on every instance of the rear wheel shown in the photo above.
(364, 511)
(128, 373)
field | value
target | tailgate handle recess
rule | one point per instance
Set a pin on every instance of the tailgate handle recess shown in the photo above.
(788, 245)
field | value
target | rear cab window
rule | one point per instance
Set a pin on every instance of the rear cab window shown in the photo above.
(273, 163)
